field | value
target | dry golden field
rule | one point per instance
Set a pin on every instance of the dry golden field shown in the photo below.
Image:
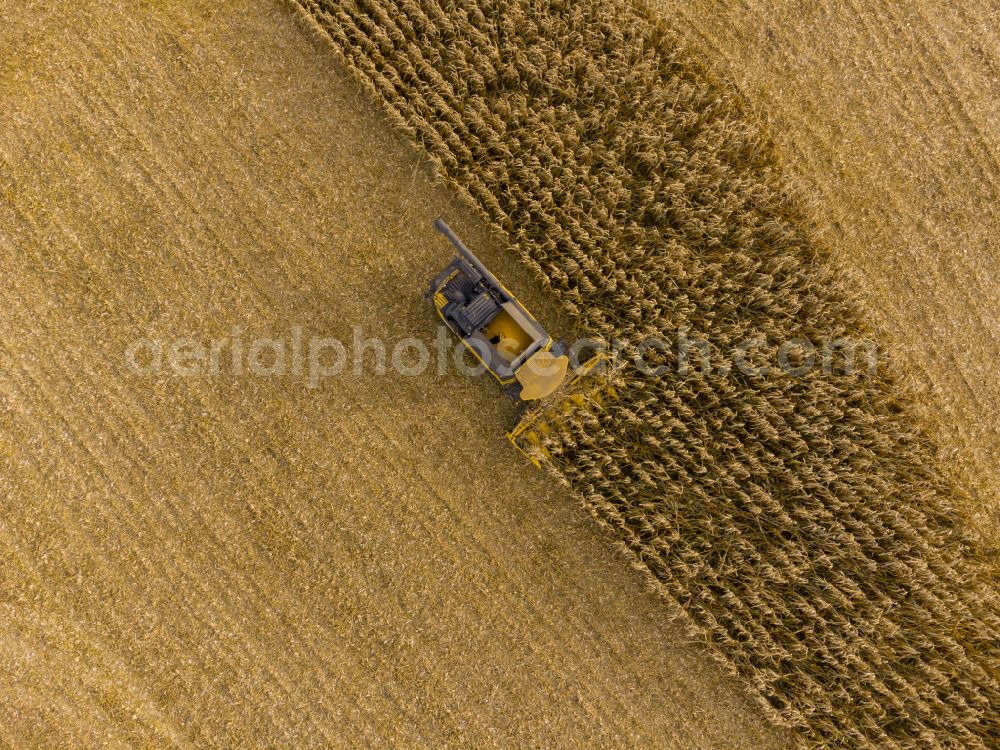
(805, 525)
(889, 113)
(240, 561)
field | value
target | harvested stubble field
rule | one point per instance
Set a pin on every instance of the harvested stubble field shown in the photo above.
(239, 561)
(805, 526)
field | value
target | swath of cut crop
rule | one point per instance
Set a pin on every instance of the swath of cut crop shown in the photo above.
(799, 522)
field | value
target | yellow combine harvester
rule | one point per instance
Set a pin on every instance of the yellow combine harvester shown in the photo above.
(518, 352)
(497, 328)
